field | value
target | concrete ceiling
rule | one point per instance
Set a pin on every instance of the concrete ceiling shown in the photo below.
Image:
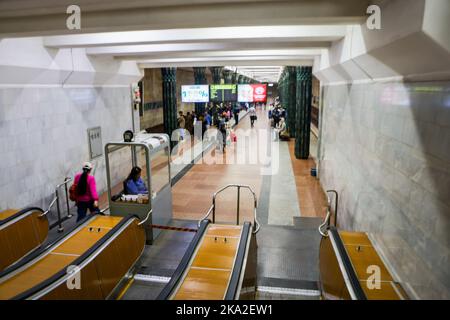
(257, 37)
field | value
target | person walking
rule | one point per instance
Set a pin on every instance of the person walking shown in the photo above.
(189, 123)
(86, 192)
(236, 113)
(181, 124)
(252, 113)
(222, 133)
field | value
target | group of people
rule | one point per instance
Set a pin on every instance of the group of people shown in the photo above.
(191, 120)
(277, 116)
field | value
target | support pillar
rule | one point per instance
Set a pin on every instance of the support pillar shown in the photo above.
(200, 78)
(291, 87)
(234, 78)
(169, 83)
(227, 76)
(303, 125)
(216, 74)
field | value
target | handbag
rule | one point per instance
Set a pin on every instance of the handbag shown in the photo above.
(73, 192)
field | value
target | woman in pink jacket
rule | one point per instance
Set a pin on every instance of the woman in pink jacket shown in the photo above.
(87, 197)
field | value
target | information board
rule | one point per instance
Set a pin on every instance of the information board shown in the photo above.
(195, 93)
(223, 93)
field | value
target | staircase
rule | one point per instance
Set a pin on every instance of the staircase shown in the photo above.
(288, 266)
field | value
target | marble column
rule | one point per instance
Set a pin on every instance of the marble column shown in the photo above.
(169, 86)
(234, 78)
(227, 76)
(291, 87)
(303, 123)
(216, 74)
(200, 78)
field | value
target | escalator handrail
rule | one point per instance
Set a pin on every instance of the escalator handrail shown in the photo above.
(181, 269)
(347, 264)
(19, 213)
(77, 262)
(41, 250)
(233, 285)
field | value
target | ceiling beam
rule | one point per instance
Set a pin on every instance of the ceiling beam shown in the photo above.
(149, 49)
(242, 62)
(48, 17)
(294, 53)
(222, 34)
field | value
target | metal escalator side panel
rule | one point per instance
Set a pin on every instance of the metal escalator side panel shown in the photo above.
(71, 250)
(244, 267)
(41, 252)
(102, 272)
(332, 283)
(20, 234)
(182, 268)
(348, 272)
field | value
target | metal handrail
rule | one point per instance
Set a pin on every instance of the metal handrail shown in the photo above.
(206, 215)
(212, 209)
(104, 209)
(336, 202)
(327, 220)
(146, 218)
(56, 200)
(49, 208)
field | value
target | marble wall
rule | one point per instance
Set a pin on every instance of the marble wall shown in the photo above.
(385, 148)
(153, 93)
(43, 137)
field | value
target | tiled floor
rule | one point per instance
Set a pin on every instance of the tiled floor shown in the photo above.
(192, 195)
(312, 199)
(290, 192)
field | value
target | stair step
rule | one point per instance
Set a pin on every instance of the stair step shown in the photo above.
(307, 222)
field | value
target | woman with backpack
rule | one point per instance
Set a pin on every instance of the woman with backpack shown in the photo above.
(86, 192)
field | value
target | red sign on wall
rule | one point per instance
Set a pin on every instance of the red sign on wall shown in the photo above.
(259, 92)
(252, 93)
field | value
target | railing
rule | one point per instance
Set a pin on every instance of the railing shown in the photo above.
(58, 207)
(146, 218)
(327, 220)
(212, 209)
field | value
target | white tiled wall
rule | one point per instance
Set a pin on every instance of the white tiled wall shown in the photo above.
(43, 137)
(386, 149)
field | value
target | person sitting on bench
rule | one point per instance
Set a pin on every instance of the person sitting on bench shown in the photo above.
(134, 183)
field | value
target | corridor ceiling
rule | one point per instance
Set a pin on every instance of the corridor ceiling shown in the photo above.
(256, 36)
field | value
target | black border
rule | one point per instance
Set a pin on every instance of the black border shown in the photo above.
(177, 275)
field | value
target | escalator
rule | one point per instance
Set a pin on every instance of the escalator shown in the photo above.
(90, 261)
(21, 232)
(351, 266)
(220, 264)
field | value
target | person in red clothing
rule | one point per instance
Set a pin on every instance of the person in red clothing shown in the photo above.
(87, 197)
